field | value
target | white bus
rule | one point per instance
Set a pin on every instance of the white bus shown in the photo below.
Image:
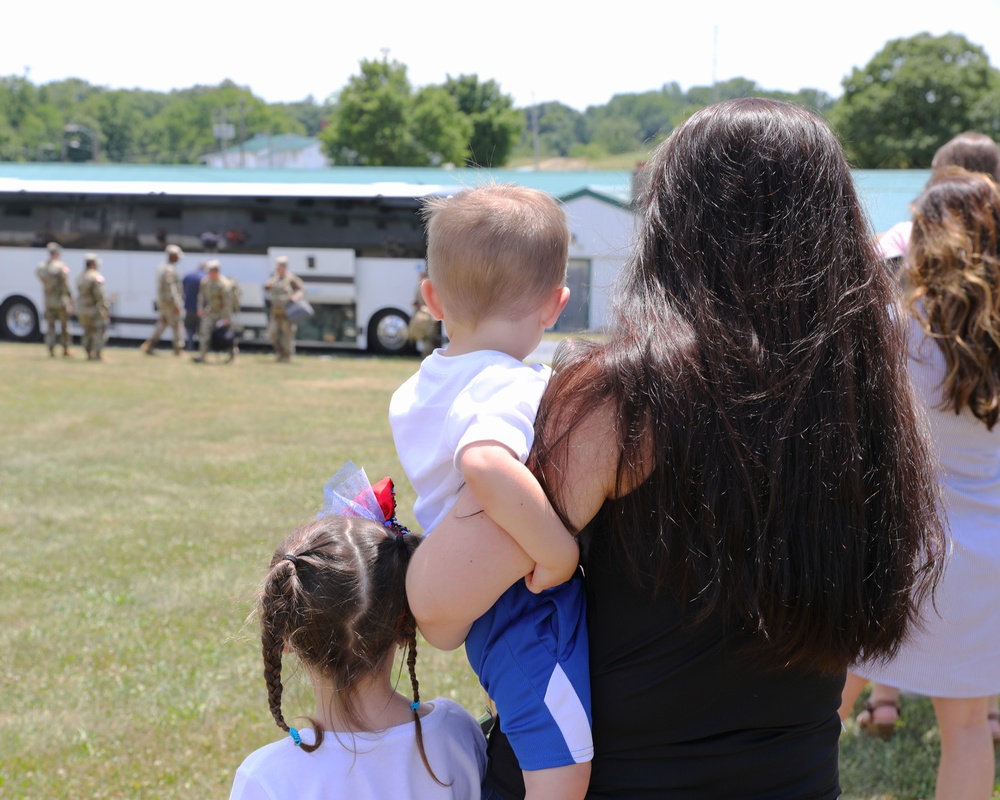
(358, 248)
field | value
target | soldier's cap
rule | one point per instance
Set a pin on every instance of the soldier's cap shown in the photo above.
(173, 250)
(91, 258)
(213, 264)
(281, 261)
(53, 247)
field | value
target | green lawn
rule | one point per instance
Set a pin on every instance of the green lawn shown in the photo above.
(140, 501)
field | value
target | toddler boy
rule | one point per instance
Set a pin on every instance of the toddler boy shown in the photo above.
(496, 258)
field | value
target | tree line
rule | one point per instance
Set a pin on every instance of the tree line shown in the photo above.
(913, 95)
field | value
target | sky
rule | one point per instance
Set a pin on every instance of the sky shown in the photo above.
(537, 51)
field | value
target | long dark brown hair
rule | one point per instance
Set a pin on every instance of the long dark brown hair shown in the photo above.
(953, 271)
(758, 381)
(336, 594)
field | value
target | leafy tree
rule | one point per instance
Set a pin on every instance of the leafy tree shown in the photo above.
(560, 128)
(985, 114)
(379, 121)
(633, 121)
(700, 96)
(10, 141)
(369, 123)
(311, 115)
(496, 125)
(120, 125)
(440, 130)
(31, 129)
(914, 95)
(815, 99)
(723, 90)
(67, 95)
(617, 135)
(185, 129)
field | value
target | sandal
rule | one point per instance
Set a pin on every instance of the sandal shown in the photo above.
(879, 728)
(994, 720)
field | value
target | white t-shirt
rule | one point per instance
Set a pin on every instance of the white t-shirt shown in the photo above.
(896, 241)
(385, 765)
(455, 401)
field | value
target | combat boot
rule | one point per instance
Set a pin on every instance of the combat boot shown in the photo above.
(67, 352)
(147, 348)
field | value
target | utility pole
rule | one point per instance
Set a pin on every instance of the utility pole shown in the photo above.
(715, 59)
(222, 129)
(243, 130)
(534, 131)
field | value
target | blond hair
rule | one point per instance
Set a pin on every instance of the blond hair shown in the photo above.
(495, 250)
(954, 274)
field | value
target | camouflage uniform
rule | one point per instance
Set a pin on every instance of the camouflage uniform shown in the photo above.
(283, 288)
(54, 275)
(92, 310)
(169, 305)
(424, 331)
(216, 305)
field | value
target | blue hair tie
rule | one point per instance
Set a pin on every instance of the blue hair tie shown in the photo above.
(295, 737)
(415, 705)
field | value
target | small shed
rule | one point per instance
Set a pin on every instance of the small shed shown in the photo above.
(603, 227)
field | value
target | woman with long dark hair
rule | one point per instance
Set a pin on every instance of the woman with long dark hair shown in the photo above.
(747, 468)
(952, 271)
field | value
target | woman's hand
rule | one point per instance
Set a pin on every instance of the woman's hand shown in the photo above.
(460, 571)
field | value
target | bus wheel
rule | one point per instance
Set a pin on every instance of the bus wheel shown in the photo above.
(387, 332)
(19, 320)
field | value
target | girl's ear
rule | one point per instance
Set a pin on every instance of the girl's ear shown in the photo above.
(287, 648)
(432, 299)
(554, 306)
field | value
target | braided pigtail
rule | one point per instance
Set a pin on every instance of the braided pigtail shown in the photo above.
(277, 606)
(410, 643)
(273, 621)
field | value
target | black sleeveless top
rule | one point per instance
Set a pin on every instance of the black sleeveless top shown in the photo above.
(681, 712)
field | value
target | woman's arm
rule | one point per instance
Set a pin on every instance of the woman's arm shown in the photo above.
(461, 569)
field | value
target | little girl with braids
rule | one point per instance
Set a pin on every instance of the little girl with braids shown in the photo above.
(335, 596)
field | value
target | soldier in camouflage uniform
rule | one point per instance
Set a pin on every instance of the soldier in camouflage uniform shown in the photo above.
(169, 302)
(424, 331)
(284, 286)
(54, 275)
(92, 308)
(216, 305)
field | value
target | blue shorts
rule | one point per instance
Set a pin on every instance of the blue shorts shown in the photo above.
(531, 655)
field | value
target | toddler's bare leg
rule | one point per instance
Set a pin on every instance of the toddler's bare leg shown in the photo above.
(559, 783)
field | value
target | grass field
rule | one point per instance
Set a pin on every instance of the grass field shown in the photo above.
(140, 502)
